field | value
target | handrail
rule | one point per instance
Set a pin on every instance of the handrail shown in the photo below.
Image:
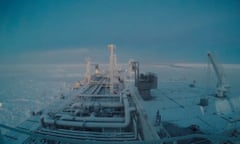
(212, 137)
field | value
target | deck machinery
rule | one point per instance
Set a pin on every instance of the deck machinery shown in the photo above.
(94, 114)
(144, 82)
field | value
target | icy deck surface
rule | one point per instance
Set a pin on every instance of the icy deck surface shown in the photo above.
(179, 104)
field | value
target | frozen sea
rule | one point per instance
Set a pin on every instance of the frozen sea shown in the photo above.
(26, 88)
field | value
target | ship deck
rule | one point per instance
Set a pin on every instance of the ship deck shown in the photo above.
(88, 113)
(182, 118)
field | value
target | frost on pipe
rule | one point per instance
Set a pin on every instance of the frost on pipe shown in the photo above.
(93, 122)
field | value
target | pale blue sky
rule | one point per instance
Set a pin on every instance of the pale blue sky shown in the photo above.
(66, 31)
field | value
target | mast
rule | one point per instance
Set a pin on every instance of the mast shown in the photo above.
(111, 65)
(88, 70)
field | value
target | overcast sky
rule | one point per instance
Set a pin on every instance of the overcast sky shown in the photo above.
(68, 31)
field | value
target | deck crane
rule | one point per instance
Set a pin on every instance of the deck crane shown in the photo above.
(222, 86)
